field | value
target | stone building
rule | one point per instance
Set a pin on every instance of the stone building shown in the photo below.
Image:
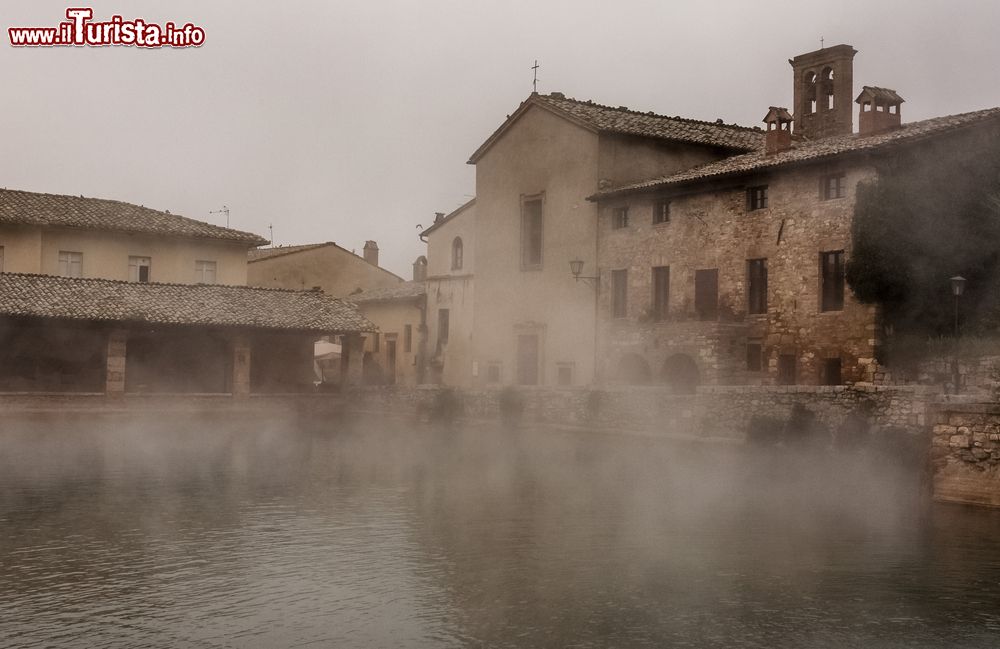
(531, 322)
(101, 296)
(450, 275)
(395, 306)
(393, 354)
(732, 271)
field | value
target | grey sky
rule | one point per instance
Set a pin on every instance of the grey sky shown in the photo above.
(350, 121)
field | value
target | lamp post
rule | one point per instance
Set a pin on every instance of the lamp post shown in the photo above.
(576, 268)
(957, 288)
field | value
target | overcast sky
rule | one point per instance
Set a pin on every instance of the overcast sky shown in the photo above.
(347, 121)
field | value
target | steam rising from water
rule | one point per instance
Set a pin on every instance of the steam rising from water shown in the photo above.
(193, 534)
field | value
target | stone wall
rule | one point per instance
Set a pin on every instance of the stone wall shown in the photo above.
(718, 412)
(965, 453)
(714, 229)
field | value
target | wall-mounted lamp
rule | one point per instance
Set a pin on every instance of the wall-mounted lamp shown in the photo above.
(576, 268)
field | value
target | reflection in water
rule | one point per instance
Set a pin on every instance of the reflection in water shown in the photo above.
(189, 535)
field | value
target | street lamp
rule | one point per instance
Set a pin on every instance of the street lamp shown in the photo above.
(576, 268)
(957, 288)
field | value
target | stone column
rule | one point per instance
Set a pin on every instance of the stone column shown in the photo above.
(114, 375)
(241, 367)
(352, 346)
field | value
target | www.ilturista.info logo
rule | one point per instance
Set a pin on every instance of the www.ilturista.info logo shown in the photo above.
(79, 30)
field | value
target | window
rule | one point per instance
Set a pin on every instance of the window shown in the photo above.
(564, 374)
(831, 372)
(619, 218)
(138, 269)
(376, 342)
(661, 292)
(493, 373)
(407, 338)
(204, 272)
(456, 253)
(832, 289)
(755, 356)
(70, 264)
(757, 286)
(786, 369)
(757, 198)
(833, 186)
(619, 293)
(531, 234)
(442, 327)
(706, 293)
(661, 212)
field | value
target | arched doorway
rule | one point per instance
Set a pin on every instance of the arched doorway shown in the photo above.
(681, 373)
(633, 370)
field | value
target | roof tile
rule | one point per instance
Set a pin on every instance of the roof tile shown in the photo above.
(30, 208)
(804, 151)
(47, 296)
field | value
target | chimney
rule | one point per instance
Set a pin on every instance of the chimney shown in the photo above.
(823, 87)
(879, 110)
(779, 130)
(420, 269)
(371, 252)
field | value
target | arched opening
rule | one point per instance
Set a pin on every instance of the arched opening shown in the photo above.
(633, 370)
(681, 373)
(456, 253)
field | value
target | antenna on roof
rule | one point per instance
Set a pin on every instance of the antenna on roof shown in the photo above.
(224, 210)
(534, 82)
(821, 42)
(270, 227)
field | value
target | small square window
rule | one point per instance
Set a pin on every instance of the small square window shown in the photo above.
(138, 269)
(70, 263)
(757, 198)
(493, 373)
(833, 186)
(564, 374)
(831, 369)
(204, 272)
(619, 218)
(661, 212)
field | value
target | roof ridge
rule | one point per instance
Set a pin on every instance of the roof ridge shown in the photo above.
(106, 280)
(626, 109)
(809, 151)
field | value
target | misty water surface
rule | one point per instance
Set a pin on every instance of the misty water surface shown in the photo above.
(390, 535)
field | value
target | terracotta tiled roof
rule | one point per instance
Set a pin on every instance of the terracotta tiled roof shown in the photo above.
(404, 291)
(266, 253)
(807, 151)
(872, 93)
(607, 119)
(30, 208)
(46, 296)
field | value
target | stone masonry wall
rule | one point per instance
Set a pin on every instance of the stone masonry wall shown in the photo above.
(965, 452)
(715, 229)
(711, 413)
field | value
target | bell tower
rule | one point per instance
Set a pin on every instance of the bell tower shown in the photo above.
(824, 92)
